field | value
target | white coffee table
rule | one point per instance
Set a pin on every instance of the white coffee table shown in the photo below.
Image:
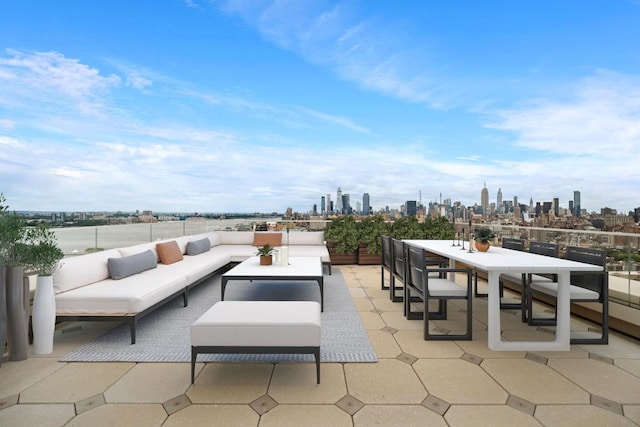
(299, 268)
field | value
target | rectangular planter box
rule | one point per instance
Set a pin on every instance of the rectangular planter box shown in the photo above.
(341, 259)
(365, 258)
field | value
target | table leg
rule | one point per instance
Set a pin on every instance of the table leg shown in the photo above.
(493, 315)
(563, 332)
(321, 284)
(563, 309)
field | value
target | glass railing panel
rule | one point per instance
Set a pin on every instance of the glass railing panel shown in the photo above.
(76, 240)
(623, 263)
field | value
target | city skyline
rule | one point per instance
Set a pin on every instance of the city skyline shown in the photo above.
(484, 203)
(233, 106)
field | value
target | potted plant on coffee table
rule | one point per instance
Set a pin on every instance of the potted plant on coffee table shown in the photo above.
(482, 237)
(43, 257)
(266, 254)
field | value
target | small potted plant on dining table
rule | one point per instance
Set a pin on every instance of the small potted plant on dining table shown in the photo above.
(482, 237)
(266, 254)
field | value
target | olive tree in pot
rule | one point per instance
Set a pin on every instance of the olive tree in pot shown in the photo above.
(342, 240)
(43, 258)
(14, 290)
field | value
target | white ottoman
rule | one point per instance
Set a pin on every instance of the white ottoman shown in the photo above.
(270, 327)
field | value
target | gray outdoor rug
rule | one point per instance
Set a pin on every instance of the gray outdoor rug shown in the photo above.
(164, 335)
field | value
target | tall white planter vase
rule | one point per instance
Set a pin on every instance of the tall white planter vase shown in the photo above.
(43, 315)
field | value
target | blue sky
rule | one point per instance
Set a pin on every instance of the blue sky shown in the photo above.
(210, 106)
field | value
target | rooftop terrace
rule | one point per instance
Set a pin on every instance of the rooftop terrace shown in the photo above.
(414, 382)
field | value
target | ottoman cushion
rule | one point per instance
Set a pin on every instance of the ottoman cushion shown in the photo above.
(259, 324)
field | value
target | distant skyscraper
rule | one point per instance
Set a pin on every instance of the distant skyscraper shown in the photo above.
(323, 205)
(365, 204)
(556, 206)
(412, 208)
(576, 203)
(484, 200)
(499, 201)
(339, 206)
(346, 204)
(329, 205)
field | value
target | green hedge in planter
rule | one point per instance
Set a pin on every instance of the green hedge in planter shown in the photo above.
(343, 233)
(438, 228)
(407, 227)
(370, 232)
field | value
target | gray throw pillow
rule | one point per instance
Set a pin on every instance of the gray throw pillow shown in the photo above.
(196, 247)
(119, 268)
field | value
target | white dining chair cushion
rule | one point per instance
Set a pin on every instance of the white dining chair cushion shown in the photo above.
(445, 288)
(551, 288)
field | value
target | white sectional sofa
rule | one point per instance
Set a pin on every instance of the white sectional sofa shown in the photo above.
(128, 283)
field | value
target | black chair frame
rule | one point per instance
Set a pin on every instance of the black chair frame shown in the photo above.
(386, 260)
(417, 281)
(594, 281)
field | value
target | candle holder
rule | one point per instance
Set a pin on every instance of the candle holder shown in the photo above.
(462, 248)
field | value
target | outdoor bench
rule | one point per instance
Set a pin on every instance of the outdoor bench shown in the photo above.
(262, 327)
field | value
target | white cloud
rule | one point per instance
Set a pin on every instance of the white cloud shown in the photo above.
(51, 78)
(336, 120)
(136, 81)
(602, 117)
(9, 142)
(7, 124)
(371, 52)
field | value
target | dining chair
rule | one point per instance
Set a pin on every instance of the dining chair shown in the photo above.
(397, 270)
(433, 284)
(386, 262)
(584, 287)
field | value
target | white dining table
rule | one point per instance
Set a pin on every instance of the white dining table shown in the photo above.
(499, 260)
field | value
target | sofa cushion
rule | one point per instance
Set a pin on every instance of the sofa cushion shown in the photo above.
(137, 249)
(132, 294)
(169, 252)
(83, 270)
(306, 238)
(196, 247)
(214, 238)
(235, 237)
(261, 239)
(122, 267)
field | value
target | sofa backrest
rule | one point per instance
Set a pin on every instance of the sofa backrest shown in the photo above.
(83, 270)
(136, 249)
(306, 238)
(236, 237)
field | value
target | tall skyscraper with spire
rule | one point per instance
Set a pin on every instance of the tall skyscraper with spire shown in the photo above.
(339, 207)
(499, 201)
(484, 200)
